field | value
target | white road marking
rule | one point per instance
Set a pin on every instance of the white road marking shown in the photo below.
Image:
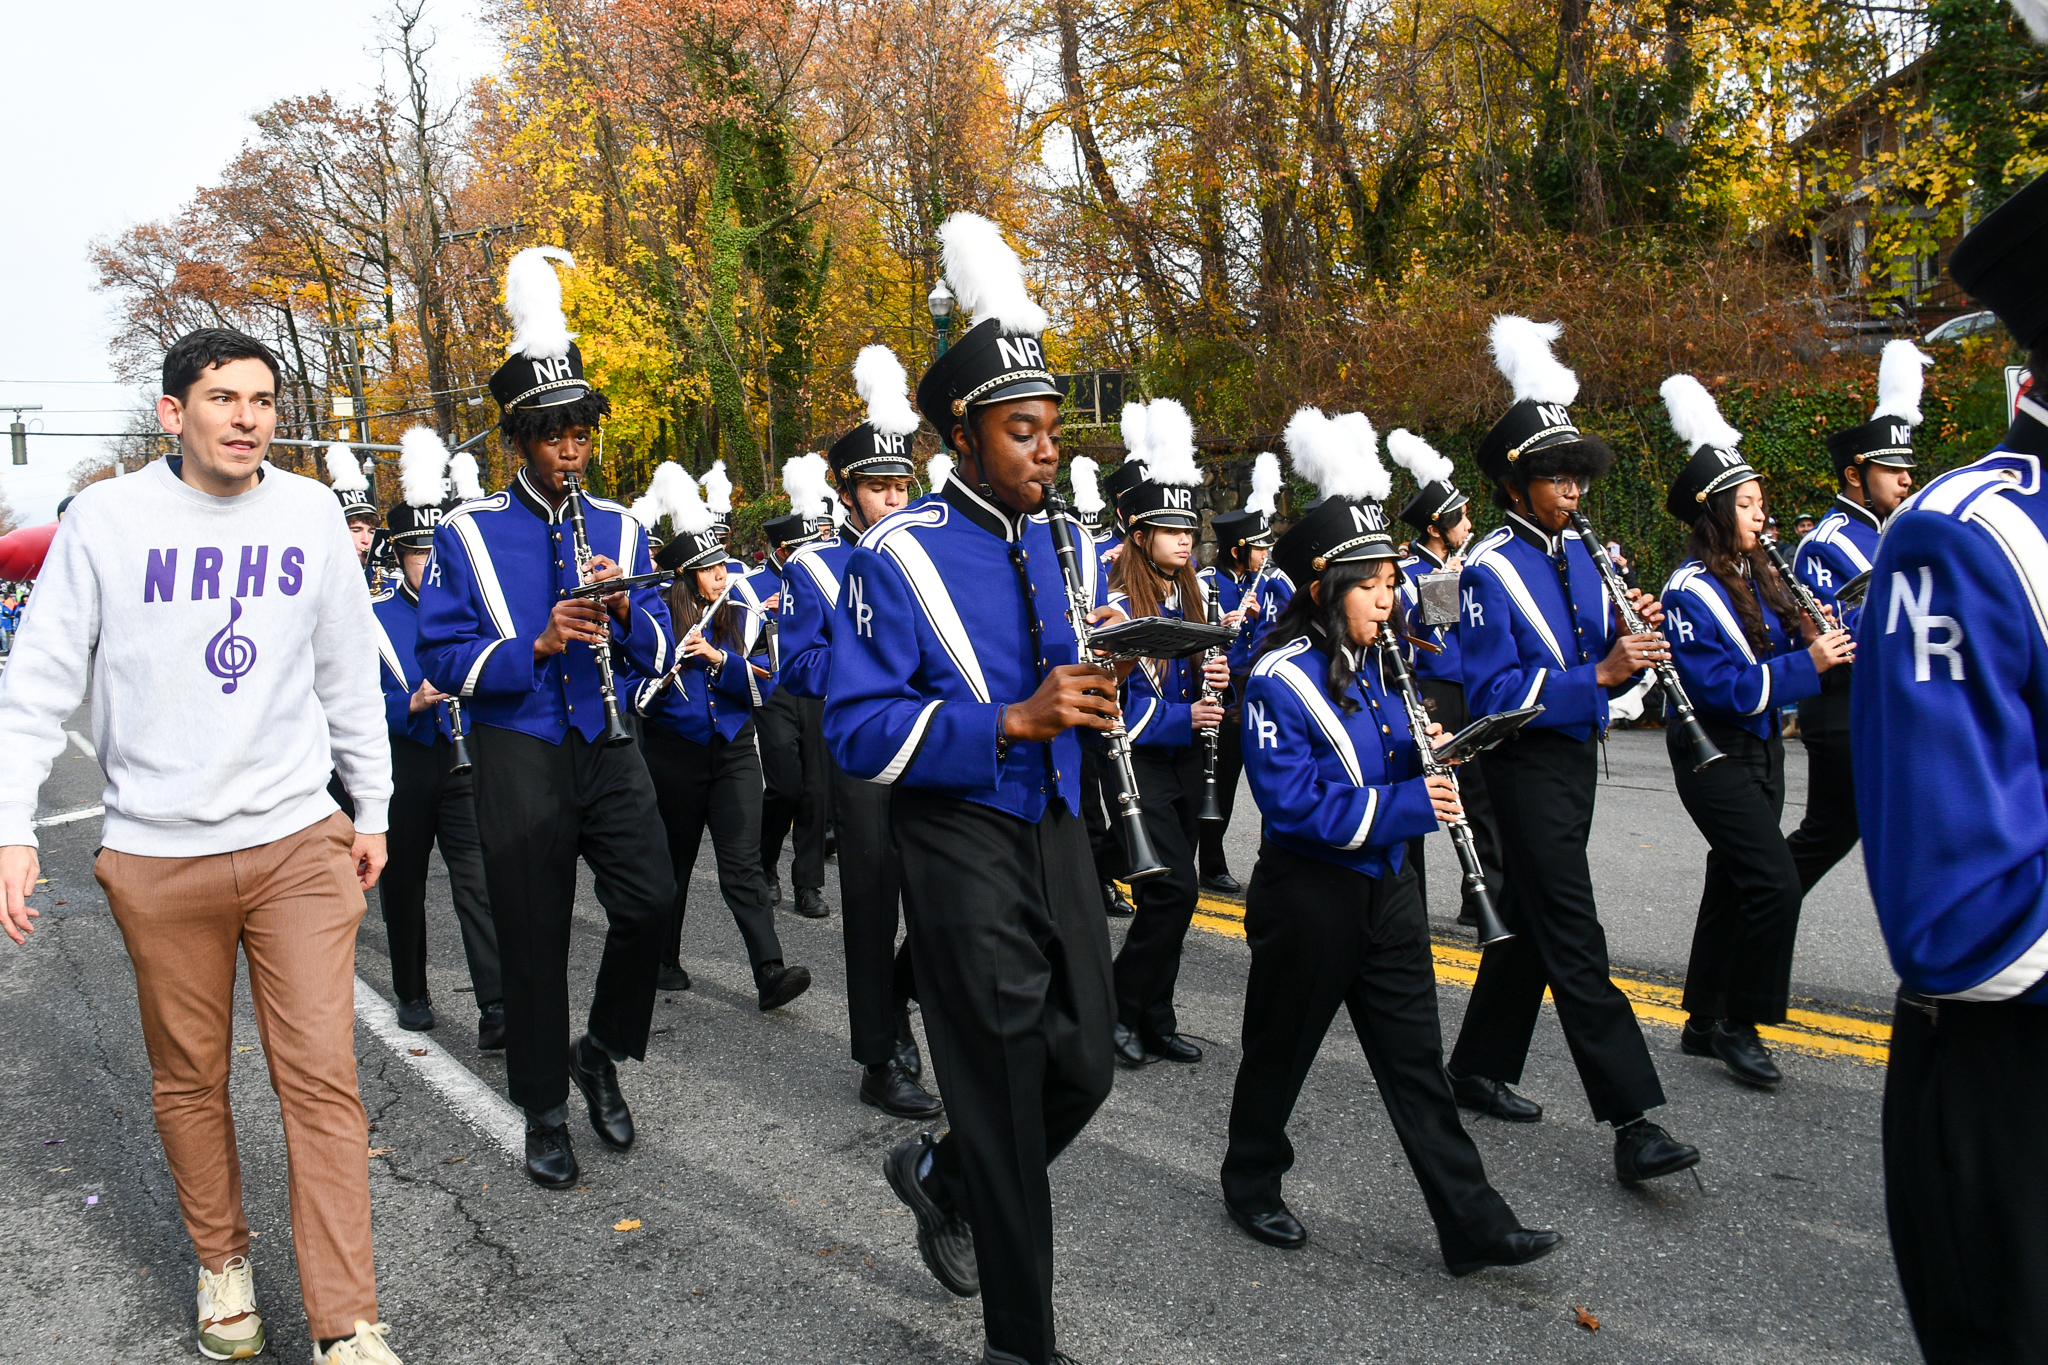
(481, 1107)
(68, 816)
(84, 745)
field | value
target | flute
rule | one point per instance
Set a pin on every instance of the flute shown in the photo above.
(615, 731)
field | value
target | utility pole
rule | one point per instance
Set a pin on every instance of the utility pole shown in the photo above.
(17, 430)
(352, 365)
(482, 237)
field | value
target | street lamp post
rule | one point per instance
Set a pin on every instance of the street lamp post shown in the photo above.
(940, 301)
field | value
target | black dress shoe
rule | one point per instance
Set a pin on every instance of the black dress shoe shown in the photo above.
(779, 984)
(943, 1239)
(1643, 1151)
(1223, 882)
(893, 1091)
(1172, 1047)
(1115, 903)
(774, 891)
(1492, 1097)
(810, 902)
(1696, 1039)
(1278, 1228)
(490, 1028)
(907, 1055)
(671, 979)
(1124, 1042)
(550, 1160)
(1519, 1247)
(593, 1073)
(1743, 1051)
(416, 1016)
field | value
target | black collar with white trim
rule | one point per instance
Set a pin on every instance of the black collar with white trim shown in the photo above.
(990, 516)
(523, 489)
(1528, 531)
(1857, 510)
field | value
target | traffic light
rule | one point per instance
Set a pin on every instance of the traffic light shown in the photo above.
(17, 436)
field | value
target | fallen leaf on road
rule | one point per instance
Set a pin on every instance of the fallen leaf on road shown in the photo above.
(63, 902)
(245, 1047)
(52, 1142)
(381, 1151)
(417, 1051)
(626, 1225)
(827, 1251)
(1586, 1320)
(453, 1160)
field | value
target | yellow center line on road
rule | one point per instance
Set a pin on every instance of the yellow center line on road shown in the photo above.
(1817, 1033)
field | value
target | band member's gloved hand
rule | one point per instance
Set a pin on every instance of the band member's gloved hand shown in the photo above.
(1632, 654)
(572, 618)
(1071, 695)
(1443, 797)
(427, 695)
(19, 868)
(1835, 647)
(618, 603)
(1206, 715)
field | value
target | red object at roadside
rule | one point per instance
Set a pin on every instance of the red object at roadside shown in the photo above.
(22, 552)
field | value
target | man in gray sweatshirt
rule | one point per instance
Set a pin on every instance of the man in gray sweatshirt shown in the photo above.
(215, 605)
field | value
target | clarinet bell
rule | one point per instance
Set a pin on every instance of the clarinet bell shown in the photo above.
(1212, 803)
(1703, 751)
(615, 731)
(1492, 929)
(461, 763)
(1144, 859)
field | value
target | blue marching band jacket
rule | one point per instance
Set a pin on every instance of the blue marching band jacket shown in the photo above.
(950, 610)
(709, 699)
(1725, 678)
(1841, 545)
(499, 566)
(810, 600)
(397, 614)
(1441, 667)
(1159, 696)
(1536, 622)
(1344, 787)
(1949, 732)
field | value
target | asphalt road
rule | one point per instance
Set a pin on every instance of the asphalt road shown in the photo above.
(765, 1231)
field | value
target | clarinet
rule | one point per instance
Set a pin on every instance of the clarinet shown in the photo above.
(460, 733)
(615, 731)
(1689, 728)
(1802, 596)
(1145, 863)
(1212, 800)
(1491, 927)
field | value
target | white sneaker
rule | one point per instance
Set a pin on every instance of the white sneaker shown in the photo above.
(366, 1347)
(230, 1328)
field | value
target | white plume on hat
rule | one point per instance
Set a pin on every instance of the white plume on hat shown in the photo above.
(1087, 489)
(1899, 381)
(343, 471)
(1357, 428)
(2034, 13)
(1170, 445)
(718, 489)
(1419, 457)
(1695, 416)
(809, 485)
(1265, 484)
(938, 469)
(422, 467)
(1324, 454)
(985, 274)
(464, 475)
(674, 492)
(533, 296)
(1521, 351)
(1131, 426)
(645, 510)
(879, 380)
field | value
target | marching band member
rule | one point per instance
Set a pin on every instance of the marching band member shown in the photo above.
(1442, 519)
(1949, 725)
(872, 467)
(1244, 539)
(957, 680)
(1105, 842)
(804, 479)
(717, 492)
(698, 738)
(358, 503)
(1873, 464)
(1538, 629)
(793, 802)
(1732, 627)
(429, 803)
(1155, 576)
(1332, 916)
(498, 631)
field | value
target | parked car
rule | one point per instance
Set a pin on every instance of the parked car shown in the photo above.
(1966, 325)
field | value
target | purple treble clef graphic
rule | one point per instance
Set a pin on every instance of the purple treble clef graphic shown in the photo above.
(229, 655)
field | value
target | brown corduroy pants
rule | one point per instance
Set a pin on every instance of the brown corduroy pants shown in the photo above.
(293, 906)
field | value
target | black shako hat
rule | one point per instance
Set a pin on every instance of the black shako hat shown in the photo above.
(1887, 438)
(1169, 505)
(790, 529)
(1999, 262)
(1337, 530)
(880, 446)
(1436, 497)
(412, 528)
(866, 453)
(688, 550)
(1715, 464)
(1164, 496)
(1000, 359)
(1536, 437)
(543, 368)
(423, 488)
(522, 382)
(1240, 528)
(351, 486)
(1434, 502)
(1340, 456)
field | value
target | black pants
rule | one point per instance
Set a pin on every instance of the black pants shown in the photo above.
(1169, 792)
(1966, 1195)
(1013, 972)
(429, 804)
(1229, 768)
(1741, 967)
(1542, 785)
(716, 784)
(878, 976)
(1321, 936)
(1829, 830)
(1099, 809)
(538, 807)
(1445, 702)
(796, 769)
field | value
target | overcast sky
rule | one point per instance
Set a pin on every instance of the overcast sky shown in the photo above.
(115, 111)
